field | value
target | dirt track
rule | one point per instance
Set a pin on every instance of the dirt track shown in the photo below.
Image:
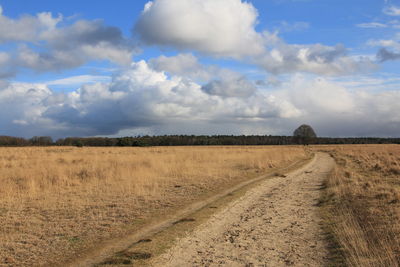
(274, 224)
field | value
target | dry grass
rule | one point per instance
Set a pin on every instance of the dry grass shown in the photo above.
(56, 201)
(363, 200)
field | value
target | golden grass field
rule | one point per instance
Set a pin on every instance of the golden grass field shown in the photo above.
(362, 204)
(57, 201)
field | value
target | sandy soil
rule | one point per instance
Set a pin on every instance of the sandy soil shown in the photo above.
(274, 224)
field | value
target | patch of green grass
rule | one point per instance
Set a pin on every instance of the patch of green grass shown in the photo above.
(74, 239)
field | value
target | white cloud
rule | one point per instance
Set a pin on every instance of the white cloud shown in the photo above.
(373, 25)
(27, 27)
(216, 80)
(48, 21)
(79, 80)
(285, 26)
(22, 105)
(188, 66)
(318, 95)
(385, 43)
(317, 58)
(221, 28)
(394, 24)
(335, 110)
(392, 10)
(370, 83)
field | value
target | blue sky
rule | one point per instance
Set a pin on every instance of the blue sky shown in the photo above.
(199, 67)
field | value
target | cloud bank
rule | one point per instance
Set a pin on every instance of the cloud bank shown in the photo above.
(142, 99)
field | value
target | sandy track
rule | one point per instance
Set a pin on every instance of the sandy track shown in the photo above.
(274, 224)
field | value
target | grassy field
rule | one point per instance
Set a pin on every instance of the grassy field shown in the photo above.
(57, 201)
(361, 205)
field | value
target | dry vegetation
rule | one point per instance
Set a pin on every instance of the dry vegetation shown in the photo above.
(362, 204)
(55, 201)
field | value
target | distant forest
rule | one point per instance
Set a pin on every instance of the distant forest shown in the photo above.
(187, 140)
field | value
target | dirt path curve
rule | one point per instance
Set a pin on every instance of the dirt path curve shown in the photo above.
(274, 224)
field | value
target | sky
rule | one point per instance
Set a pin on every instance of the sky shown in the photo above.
(260, 67)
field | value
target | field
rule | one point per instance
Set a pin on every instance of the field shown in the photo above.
(57, 201)
(361, 205)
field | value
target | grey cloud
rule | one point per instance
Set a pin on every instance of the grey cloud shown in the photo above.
(384, 54)
(261, 82)
(239, 87)
(103, 117)
(324, 54)
(6, 67)
(44, 45)
(48, 61)
(186, 65)
(84, 33)
(83, 41)
(7, 73)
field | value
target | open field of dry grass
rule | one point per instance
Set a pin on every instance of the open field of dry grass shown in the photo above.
(55, 201)
(362, 204)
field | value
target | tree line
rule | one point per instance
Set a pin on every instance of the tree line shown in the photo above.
(188, 140)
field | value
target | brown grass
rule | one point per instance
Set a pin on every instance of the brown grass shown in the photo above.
(57, 201)
(363, 203)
